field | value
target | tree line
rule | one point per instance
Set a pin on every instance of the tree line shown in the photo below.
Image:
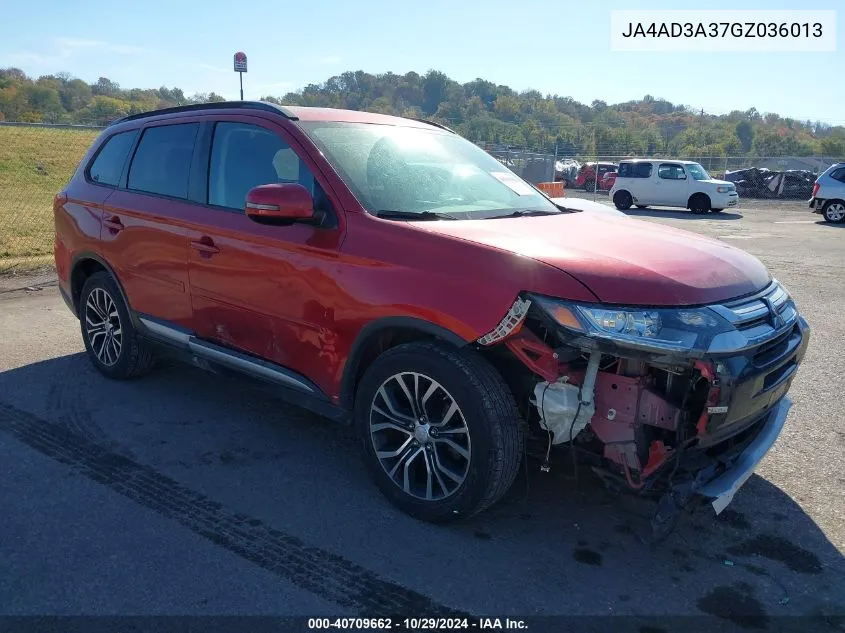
(480, 110)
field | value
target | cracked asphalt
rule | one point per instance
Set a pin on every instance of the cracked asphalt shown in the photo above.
(181, 494)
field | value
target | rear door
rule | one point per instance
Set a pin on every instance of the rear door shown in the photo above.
(265, 290)
(671, 185)
(641, 183)
(144, 236)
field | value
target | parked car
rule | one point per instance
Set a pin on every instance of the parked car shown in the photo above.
(671, 183)
(765, 183)
(566, 171)
(829, 194)
(606, 181)
(586, 178)
(390, 275)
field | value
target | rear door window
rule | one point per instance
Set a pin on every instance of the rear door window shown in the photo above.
(642, 170)
(162, 162)
(108, 165)
(635, 170)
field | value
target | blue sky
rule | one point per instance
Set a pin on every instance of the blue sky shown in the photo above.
(558, 47)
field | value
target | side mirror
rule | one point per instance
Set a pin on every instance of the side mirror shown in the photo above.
(281, 204)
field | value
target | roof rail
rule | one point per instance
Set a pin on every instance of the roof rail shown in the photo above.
(434, 123)
(218, 105)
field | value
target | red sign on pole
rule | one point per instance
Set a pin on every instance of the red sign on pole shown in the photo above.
(240, 62)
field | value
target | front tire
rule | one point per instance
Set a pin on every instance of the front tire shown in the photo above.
(440, 430)
(834, 211)
(622, 200)
(110, 338)
(699, 203)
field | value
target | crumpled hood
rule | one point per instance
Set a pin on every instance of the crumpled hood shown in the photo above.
(621, 260)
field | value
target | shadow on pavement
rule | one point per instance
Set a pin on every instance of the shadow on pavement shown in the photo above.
(558, 543)
(682, 215)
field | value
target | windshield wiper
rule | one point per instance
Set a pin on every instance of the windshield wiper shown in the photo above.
(521, 213)
(410, 215)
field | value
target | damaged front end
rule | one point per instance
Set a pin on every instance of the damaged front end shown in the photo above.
(681, 403)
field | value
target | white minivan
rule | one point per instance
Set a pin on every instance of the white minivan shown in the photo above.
(670, 183)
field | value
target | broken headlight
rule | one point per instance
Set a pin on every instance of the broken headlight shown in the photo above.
(656, 330)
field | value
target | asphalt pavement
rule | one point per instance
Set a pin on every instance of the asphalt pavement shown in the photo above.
(177, 494)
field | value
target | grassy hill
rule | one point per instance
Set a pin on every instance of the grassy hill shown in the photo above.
(35, 163)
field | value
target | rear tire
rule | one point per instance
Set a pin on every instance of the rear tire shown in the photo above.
(589, 185)
(110, 338)
(699, 203)
(452, 423)
(834, 211)
(622, 200)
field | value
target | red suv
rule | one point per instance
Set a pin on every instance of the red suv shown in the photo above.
(390, 275)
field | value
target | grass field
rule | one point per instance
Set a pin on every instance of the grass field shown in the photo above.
(35, 163)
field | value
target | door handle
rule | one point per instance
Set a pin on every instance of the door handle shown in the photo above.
(113, 224)
(205, 245)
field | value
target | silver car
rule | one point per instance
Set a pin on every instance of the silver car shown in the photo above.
(829, 194)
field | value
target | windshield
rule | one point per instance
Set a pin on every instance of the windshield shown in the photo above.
(697, 171)
(429, 172)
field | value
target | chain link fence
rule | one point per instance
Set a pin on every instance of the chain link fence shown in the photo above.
(37, 160)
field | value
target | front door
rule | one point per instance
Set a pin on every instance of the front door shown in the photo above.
(671, 185)
(265, 290)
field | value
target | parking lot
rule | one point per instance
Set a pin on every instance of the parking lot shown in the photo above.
(179, 494)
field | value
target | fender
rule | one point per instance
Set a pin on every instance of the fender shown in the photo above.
(370, 332)
(78, 258)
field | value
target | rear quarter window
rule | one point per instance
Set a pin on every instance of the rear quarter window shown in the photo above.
(162, 162)
(110, 160)
(838, 174)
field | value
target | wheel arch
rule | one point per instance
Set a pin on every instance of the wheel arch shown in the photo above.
(699, 194)
(82, 267)
(621, 190)
(381, 335)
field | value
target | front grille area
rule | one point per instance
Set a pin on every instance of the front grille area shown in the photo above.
(771, 350)
(747, 312)
(758, 360)
(760, 319)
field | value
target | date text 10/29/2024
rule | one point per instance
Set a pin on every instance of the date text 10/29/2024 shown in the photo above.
(418, 624)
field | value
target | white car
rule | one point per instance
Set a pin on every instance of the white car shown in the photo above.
(829, 194)
(670, 183)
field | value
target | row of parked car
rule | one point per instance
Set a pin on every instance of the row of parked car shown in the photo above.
(686, 184)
